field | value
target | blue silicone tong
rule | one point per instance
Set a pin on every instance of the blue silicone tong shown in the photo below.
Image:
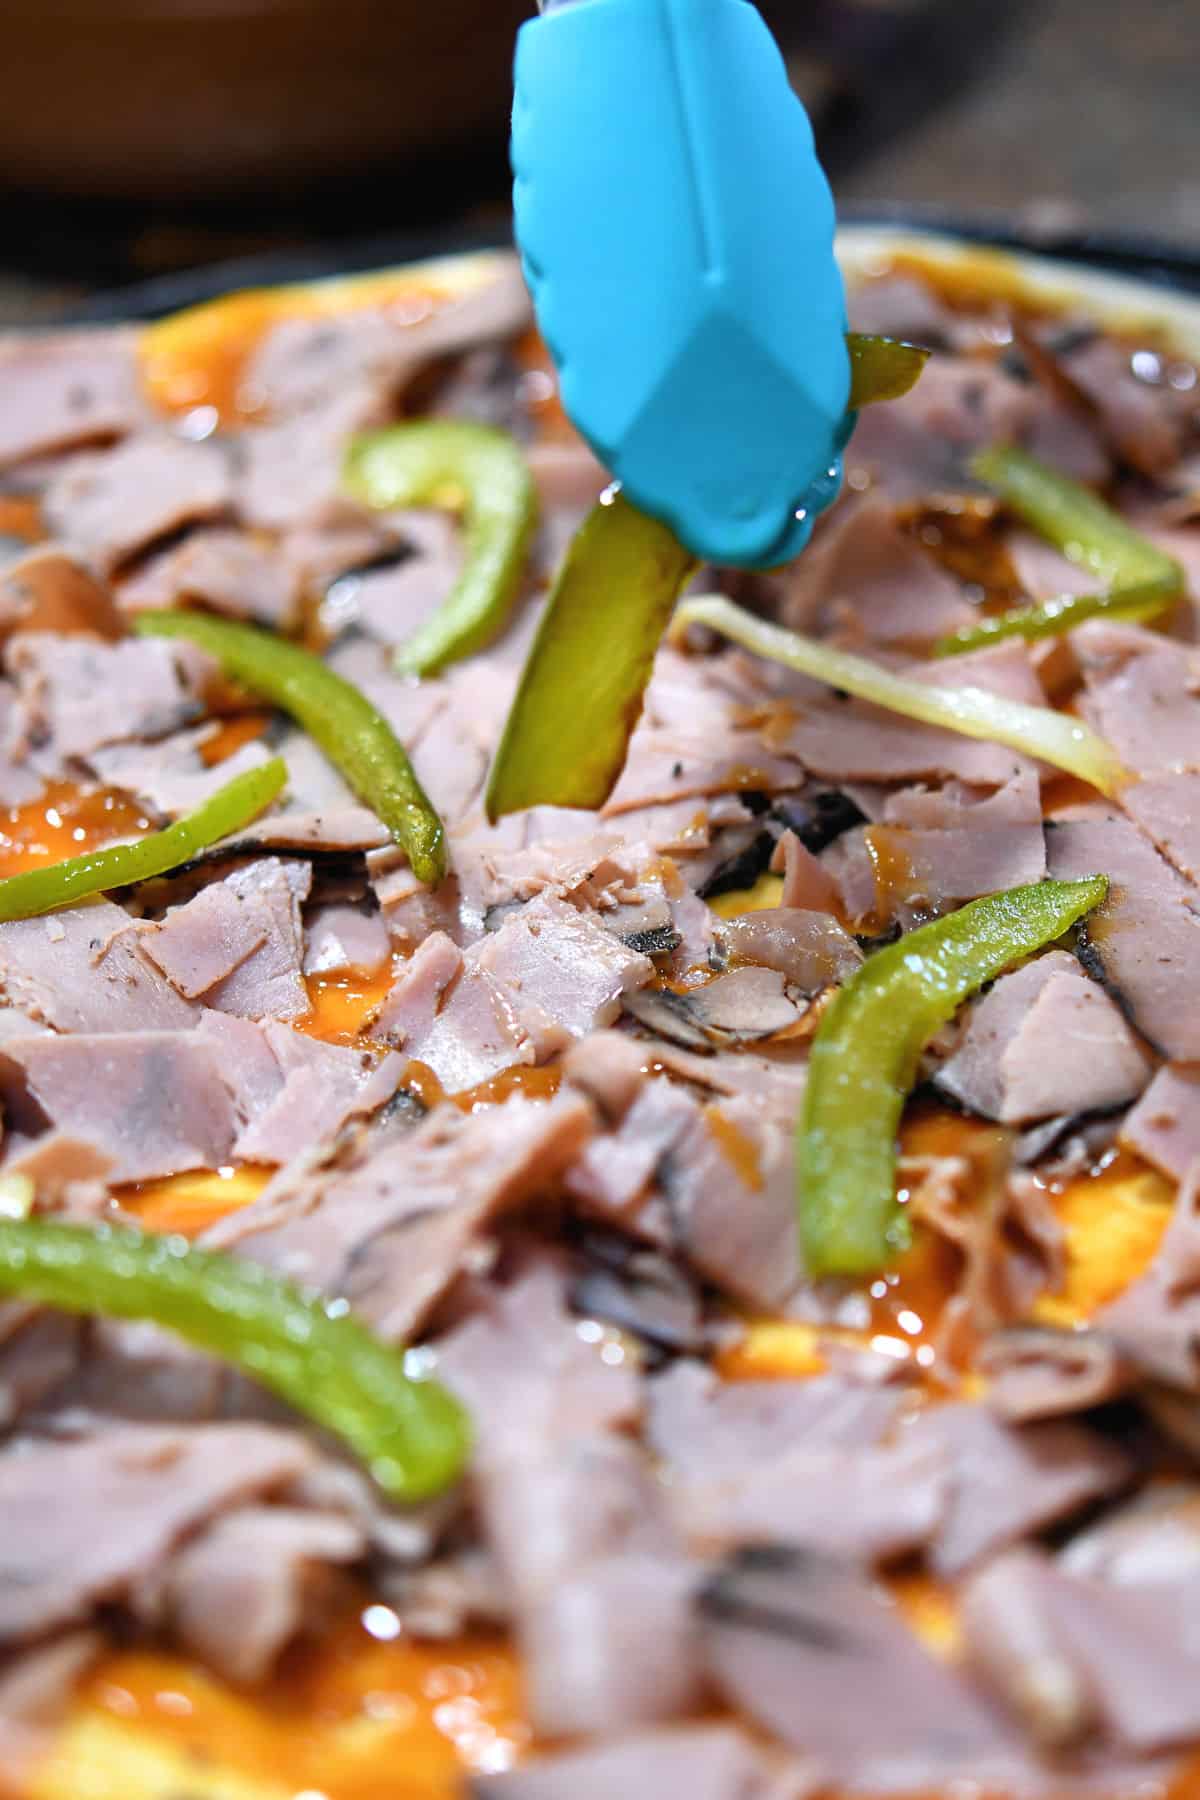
(677, 230)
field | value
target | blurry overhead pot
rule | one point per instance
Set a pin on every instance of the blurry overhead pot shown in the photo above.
(182, 98)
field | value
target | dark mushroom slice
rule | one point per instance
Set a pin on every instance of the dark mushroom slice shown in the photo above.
(809, 949)
(746, 1005)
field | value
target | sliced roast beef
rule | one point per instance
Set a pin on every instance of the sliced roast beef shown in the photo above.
(153, 1102)
(615, 1173)
(341, 936)
(729, 1188)
(81, 694)
(1164, 1126)
(135, 1106)
(229, 571)
(921, 445)
(851, 741)
(39, 1351)
(807, 1647)
(82, 969)
(551, 973)
(1166, 807)
(1156, 1320)
(68, 389)
(1144, 940)
(1039, 1372)
(199, 944)
(553, 957)
(1142, 420)
(239, 1593)
(150, 1486)
(866, 578)
(807, 884)
(111, 506)
(290, 473)
(321, 1087)
(529, 1376)
(239, 943)
(1063, 1649)
(705, 1762)
(300, 361)
(611, 1647)
(667, 764)
(796, 1462)
(1044, 572)
(36, 1691)
(1141, 695)
(391, 603)
(940, 848)
(1045, 1041)
(392, 1228)
(572, 1513)
(1008, 1482)
(20, 780)
(170, 776)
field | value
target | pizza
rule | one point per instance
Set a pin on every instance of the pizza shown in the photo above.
(415, 1382)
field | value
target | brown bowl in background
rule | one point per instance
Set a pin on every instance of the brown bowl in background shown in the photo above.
(188, 99)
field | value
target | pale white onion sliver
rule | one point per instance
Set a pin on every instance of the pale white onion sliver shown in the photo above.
(1037, 731)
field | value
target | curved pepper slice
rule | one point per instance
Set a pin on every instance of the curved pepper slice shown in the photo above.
(412, 1435)
(442, 462)
(976, 712)
(37, 891)
(881, 368)
(581, 690)
(1140, 579)
(355, 737)
(865, 1054)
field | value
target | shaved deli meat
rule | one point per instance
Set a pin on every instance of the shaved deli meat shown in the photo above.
(726, 1529)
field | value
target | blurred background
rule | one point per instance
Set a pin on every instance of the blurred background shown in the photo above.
(143, 140)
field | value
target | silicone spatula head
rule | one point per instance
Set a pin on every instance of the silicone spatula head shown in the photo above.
(677, 235)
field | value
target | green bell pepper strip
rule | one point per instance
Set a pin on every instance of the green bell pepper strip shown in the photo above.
(449, 461)
(581, 690)
(38, 891)
(412, 1435)
(881, 368)
(865, 1054)
(582, 687)
(1038, 731)
(1139, 578)
(355, 737)
(1051, 618)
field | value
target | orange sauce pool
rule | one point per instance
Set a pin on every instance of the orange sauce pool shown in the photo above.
(186, 1205)
(198, 357)
(21, 517)
(364, 1718)
(1113, 1220)
(533, 1083)
(231, 734)
(65, 821)
(343, 1003)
